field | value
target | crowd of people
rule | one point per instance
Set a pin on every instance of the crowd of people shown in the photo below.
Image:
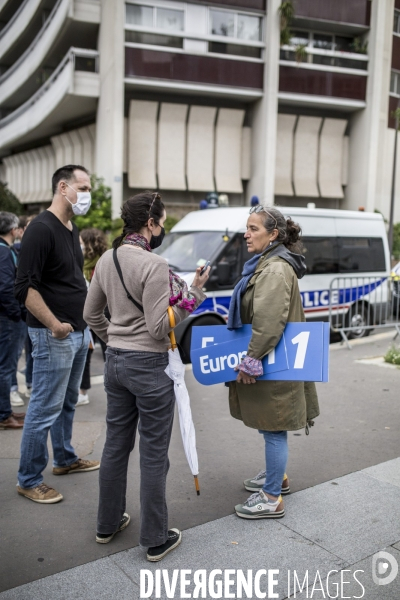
(58, 283)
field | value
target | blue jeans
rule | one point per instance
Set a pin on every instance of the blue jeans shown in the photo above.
(276, 455)
(9, 343)
(57, 372)
(23, 337)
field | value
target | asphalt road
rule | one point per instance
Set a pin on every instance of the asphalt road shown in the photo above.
(359, 426)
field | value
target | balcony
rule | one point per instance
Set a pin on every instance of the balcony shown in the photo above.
(69, 22)
(7, 10)
(68, 96)
(396, 53)
(346, 15)
(208, 74)
(22, 28)
(311, 87)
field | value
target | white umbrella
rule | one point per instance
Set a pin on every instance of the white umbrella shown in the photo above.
(176, 372)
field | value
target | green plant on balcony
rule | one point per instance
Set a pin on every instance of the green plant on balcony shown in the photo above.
(395, 114)
(359, 46)
(300, 53)
(286, 12)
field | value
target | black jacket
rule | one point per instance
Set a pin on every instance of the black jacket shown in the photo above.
(9, 306)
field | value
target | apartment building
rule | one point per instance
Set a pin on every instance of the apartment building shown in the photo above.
(200, 95)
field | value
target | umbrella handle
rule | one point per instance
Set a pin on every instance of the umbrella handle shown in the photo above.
(196, 484)
(171, 334)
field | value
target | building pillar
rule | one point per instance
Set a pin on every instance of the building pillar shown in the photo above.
(265, 114)
(110, 111)
(368, 126)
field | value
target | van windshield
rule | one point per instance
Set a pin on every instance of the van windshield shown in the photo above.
(185, 251)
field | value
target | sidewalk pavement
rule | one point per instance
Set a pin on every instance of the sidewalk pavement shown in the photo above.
(345, 479)
(335, 526)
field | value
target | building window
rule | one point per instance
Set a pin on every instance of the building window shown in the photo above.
(235, 25)
(225, 31)
(139, 15)
(168, 19)
(153, 17)
(243, 27)
(326, 49)
(396, 22)
(395, 83)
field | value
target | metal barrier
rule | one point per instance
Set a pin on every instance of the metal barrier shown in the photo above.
(358, 304)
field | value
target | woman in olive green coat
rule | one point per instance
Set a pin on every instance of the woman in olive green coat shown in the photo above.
(268, 297)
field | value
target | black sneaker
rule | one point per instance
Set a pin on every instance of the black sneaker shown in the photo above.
(104, 538)
(158, 552)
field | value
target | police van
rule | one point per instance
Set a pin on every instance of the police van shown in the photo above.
(337, 243)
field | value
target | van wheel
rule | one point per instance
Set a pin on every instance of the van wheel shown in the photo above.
(359, 316)
(187, 339)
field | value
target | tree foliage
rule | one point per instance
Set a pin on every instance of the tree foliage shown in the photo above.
(99, 214)
(8, 201)
(396, 240)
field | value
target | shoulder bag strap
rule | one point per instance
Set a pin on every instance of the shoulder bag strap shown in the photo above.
(118, 267)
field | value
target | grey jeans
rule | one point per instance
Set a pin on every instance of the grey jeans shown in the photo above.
(137, 390)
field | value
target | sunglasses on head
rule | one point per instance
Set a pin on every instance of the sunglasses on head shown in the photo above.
(259, 208)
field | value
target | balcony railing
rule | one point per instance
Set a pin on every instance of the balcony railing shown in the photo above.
(78, 59)
(35, 42)
(17, 24)
(355, 12)
(329, 58)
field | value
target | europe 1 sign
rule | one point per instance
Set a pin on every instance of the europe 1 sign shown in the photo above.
(302, 353)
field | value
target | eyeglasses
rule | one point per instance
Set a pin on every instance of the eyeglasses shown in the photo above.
(259, 208)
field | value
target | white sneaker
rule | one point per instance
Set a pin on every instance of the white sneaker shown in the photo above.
(15, 399)
(82, 399)
(28, 392)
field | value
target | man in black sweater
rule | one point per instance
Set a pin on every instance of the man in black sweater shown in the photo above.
(51, 285)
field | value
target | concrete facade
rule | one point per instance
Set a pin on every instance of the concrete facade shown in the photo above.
(200, 96)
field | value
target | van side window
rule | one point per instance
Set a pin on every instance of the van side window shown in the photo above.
(231, 263)
(361, 255)
(321, 254)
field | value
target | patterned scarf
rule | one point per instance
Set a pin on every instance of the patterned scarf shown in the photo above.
(179, 294)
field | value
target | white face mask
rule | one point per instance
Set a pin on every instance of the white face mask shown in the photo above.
(82, 205)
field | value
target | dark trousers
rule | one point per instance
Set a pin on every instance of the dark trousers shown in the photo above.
(10, 333)
(138, 390)
(85, 383)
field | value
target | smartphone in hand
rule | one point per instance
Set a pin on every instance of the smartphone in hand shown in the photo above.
(205, 267)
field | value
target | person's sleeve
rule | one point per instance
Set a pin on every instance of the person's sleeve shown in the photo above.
(93, 312)
(155, 301)
(7, 277)
(35, 248)
(270, 312)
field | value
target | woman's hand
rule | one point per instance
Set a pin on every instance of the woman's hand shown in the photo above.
(244, 378)
(200, 280)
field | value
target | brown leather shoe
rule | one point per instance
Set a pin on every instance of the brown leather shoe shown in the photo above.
(11, 423)
(18, 416)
